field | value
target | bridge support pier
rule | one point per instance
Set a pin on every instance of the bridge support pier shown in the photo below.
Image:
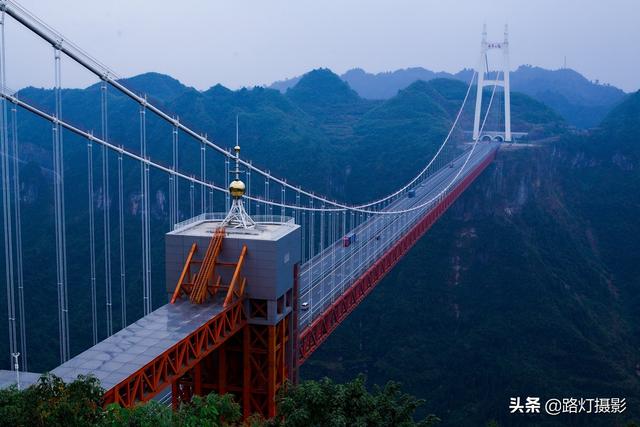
(254, 365)
(257, 361)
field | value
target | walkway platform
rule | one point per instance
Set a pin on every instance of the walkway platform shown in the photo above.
(118, 357)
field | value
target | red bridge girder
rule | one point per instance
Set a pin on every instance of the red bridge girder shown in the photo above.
(169, 366)
(314, 335)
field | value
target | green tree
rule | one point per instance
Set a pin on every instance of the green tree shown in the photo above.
(51, 402)
(211, 410)
(150, 414)
(325, 403)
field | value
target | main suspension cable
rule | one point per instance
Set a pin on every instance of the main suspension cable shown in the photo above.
(33, 23)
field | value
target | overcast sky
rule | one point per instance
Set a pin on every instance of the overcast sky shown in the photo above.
(245, 43)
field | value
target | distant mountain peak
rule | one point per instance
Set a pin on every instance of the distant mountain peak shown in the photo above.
(323, 86)
(156, 85)
(622, 125)
(218, 89)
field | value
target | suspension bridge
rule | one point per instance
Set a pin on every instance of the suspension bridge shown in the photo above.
(257, 278)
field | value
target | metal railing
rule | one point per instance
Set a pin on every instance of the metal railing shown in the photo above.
(219, 216)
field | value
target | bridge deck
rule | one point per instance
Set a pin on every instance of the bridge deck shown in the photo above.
(341, 293)
(330, 273)
(127, 351)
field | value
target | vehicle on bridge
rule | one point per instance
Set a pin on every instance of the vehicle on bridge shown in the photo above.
(349, 239)
(411, 194)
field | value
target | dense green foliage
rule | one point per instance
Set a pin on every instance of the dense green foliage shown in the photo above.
(327, 404)
(52, 403)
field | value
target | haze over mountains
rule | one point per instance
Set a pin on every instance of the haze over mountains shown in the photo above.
(581, 102)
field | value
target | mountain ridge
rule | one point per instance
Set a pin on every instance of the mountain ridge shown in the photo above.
(581, 102)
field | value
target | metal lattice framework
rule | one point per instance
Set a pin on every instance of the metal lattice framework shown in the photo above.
(167, 368)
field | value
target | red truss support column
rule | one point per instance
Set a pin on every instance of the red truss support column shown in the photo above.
(316, 333)
(265, 366)
(253, 365)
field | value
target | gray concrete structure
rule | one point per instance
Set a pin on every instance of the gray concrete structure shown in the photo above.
(273, 249)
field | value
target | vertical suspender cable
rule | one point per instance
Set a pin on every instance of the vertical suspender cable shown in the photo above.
(148, 237)
(360, 239)
(61, 244)
(282, 200)
(123, 278)
(174, 201)
(296, 212)
(332, 231)
(203, 177)
(211, 207)
(144, 184)
(268, 197)
(305, 227)
(172, 196)
(266, 194)
(6, 205)
(248, 191)
(106, 205)
(227, 203)
(92, 244)
(191, 200)
(18, 233)
(344, 233)
(322, 240)
(311, 242)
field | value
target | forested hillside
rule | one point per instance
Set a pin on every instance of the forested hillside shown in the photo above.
(580, 102)
(529, 286)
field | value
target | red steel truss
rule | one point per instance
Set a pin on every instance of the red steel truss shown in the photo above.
(314, 335)
(252, 365)
(168, 367)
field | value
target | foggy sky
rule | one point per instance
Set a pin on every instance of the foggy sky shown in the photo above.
(245, 43)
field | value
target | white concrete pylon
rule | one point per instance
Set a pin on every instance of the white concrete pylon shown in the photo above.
(504, 81)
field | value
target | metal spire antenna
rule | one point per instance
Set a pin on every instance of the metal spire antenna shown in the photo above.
(237, 216)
